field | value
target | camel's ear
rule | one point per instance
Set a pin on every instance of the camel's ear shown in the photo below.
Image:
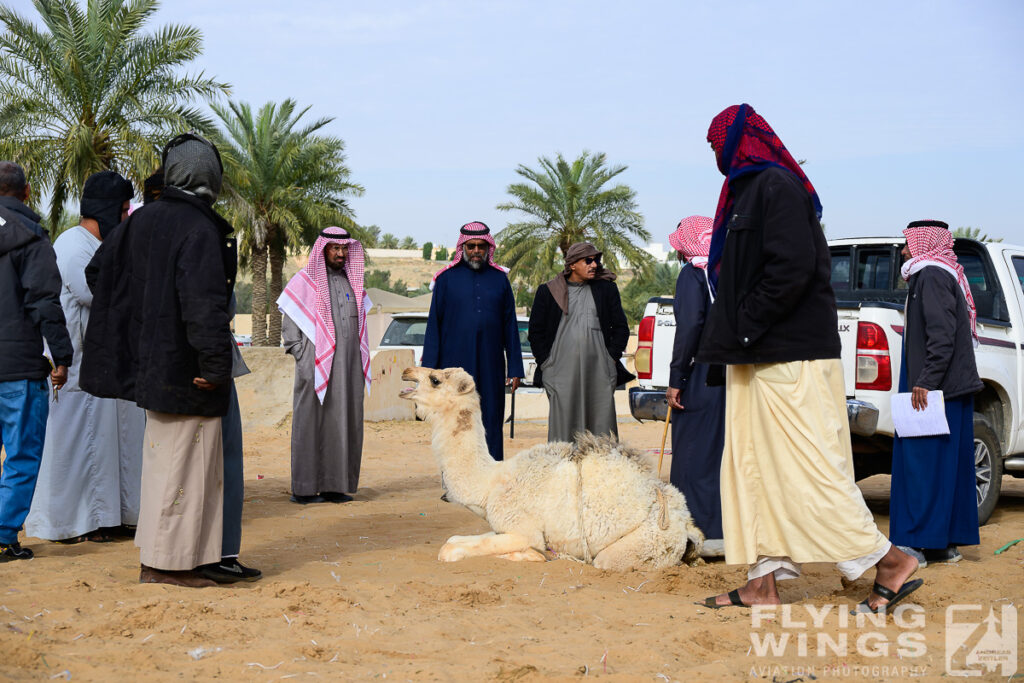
(465, 385)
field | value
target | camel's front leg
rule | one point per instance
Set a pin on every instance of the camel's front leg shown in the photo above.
(507, 546)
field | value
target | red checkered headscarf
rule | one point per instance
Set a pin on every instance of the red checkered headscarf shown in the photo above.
(745, 143)
(931, 244)
(692, 239)
(471, 231)
(307, 300)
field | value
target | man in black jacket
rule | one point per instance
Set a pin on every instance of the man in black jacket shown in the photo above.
(788, 492)
(29, 312)
(933, 506)
(14, 192)
(159, 335)
(578, 332)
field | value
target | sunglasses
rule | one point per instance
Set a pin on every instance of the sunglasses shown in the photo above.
(592, 259)
(475, 247)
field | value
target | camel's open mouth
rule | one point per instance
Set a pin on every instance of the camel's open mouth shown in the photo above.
(408, 391)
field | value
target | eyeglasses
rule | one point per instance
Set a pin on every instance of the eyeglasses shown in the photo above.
(592, 259)
(475, 247)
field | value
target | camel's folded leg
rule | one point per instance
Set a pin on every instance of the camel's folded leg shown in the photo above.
(509, 546)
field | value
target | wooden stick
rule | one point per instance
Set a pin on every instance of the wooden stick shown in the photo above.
(664, 434)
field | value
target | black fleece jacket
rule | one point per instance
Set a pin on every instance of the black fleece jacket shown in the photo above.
(29, 303)
(546, 316)
(774, 302)
(937, 338)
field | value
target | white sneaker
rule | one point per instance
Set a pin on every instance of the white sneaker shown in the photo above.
(713, 547)
(916, 554)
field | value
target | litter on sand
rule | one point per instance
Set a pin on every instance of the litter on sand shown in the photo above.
(1008, 546)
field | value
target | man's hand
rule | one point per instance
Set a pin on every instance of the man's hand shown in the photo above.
(203, 384)
(59, 376)
(673, 398)
(919, 398)
(512, 382)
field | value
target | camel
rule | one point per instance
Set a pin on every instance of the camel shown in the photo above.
(595, 500)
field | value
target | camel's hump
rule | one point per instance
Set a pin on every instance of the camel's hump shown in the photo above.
(588, 445)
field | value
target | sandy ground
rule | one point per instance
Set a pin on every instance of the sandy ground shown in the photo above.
(355, 591)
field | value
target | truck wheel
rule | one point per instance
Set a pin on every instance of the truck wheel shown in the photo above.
(988, 467)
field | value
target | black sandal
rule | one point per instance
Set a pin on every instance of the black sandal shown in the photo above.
(734, 600)
(887, 593)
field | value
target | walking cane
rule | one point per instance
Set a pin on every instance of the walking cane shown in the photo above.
(512, 417)
(664, 434)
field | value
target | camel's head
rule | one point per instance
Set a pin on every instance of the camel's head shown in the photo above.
(437, 389)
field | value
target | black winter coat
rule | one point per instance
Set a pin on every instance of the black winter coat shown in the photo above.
(546, 316)
(29, 303)
(937, 342)
(774, 301)
(162, 283)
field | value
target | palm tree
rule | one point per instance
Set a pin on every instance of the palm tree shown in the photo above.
(90, 91)
(974, 234)
(371, 236)
(388, 241)
(284, 183)
(569, 202)
(409, 243)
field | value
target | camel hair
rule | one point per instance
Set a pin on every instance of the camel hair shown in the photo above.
(596, 500)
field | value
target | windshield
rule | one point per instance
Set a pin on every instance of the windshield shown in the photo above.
(405, 332)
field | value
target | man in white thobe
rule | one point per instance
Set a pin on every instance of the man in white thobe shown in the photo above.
(91, 470)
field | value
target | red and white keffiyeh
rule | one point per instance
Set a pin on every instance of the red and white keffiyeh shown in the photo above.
(692, 239)
(307, 300)
(931, 244)
(471, 231)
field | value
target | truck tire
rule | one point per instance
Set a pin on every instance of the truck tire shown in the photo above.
(988, 467)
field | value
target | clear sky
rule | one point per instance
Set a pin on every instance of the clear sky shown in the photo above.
(903, 110)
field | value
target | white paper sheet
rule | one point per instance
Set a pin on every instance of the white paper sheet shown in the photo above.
(928, 422)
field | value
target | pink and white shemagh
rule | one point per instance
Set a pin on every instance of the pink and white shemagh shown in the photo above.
(932, 245)
(692, 239)
(306, 299)
(483, 234)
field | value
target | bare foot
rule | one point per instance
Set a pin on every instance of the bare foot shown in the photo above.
(759, 591)
(892, 571)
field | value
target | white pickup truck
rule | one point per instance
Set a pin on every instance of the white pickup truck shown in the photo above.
(870, 297)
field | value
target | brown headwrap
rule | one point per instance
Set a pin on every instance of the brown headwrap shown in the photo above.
(559, 285)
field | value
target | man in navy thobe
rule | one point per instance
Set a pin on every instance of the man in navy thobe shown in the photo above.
(472, 325)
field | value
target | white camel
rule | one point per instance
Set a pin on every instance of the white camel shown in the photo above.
(595, 500)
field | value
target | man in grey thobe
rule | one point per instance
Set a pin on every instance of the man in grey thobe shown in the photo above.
(578, 332)
(324, 328)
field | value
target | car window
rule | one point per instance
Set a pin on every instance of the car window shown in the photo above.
(988, 298)
(874, 269)
(1018, 266)
(405, 332)
(524, 328)
(841, 270)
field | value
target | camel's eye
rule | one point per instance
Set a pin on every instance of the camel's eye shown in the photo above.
(435, 381)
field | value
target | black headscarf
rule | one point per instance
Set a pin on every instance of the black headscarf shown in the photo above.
(193, 164)
(153, 186)
(103, 195)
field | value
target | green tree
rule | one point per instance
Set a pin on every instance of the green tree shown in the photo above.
(285, 181)
(661, 282)
(974, 234)
(408, 243)
(388, 241)
(381, 279)
(442, 254)
(370, 236)
(566, 202)
(90, 90)
(428, 251)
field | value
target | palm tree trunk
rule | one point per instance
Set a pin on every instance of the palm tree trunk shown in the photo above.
(276, 268)
(259, 297)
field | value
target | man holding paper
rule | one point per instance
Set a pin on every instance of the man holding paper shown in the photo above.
(932, 505)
